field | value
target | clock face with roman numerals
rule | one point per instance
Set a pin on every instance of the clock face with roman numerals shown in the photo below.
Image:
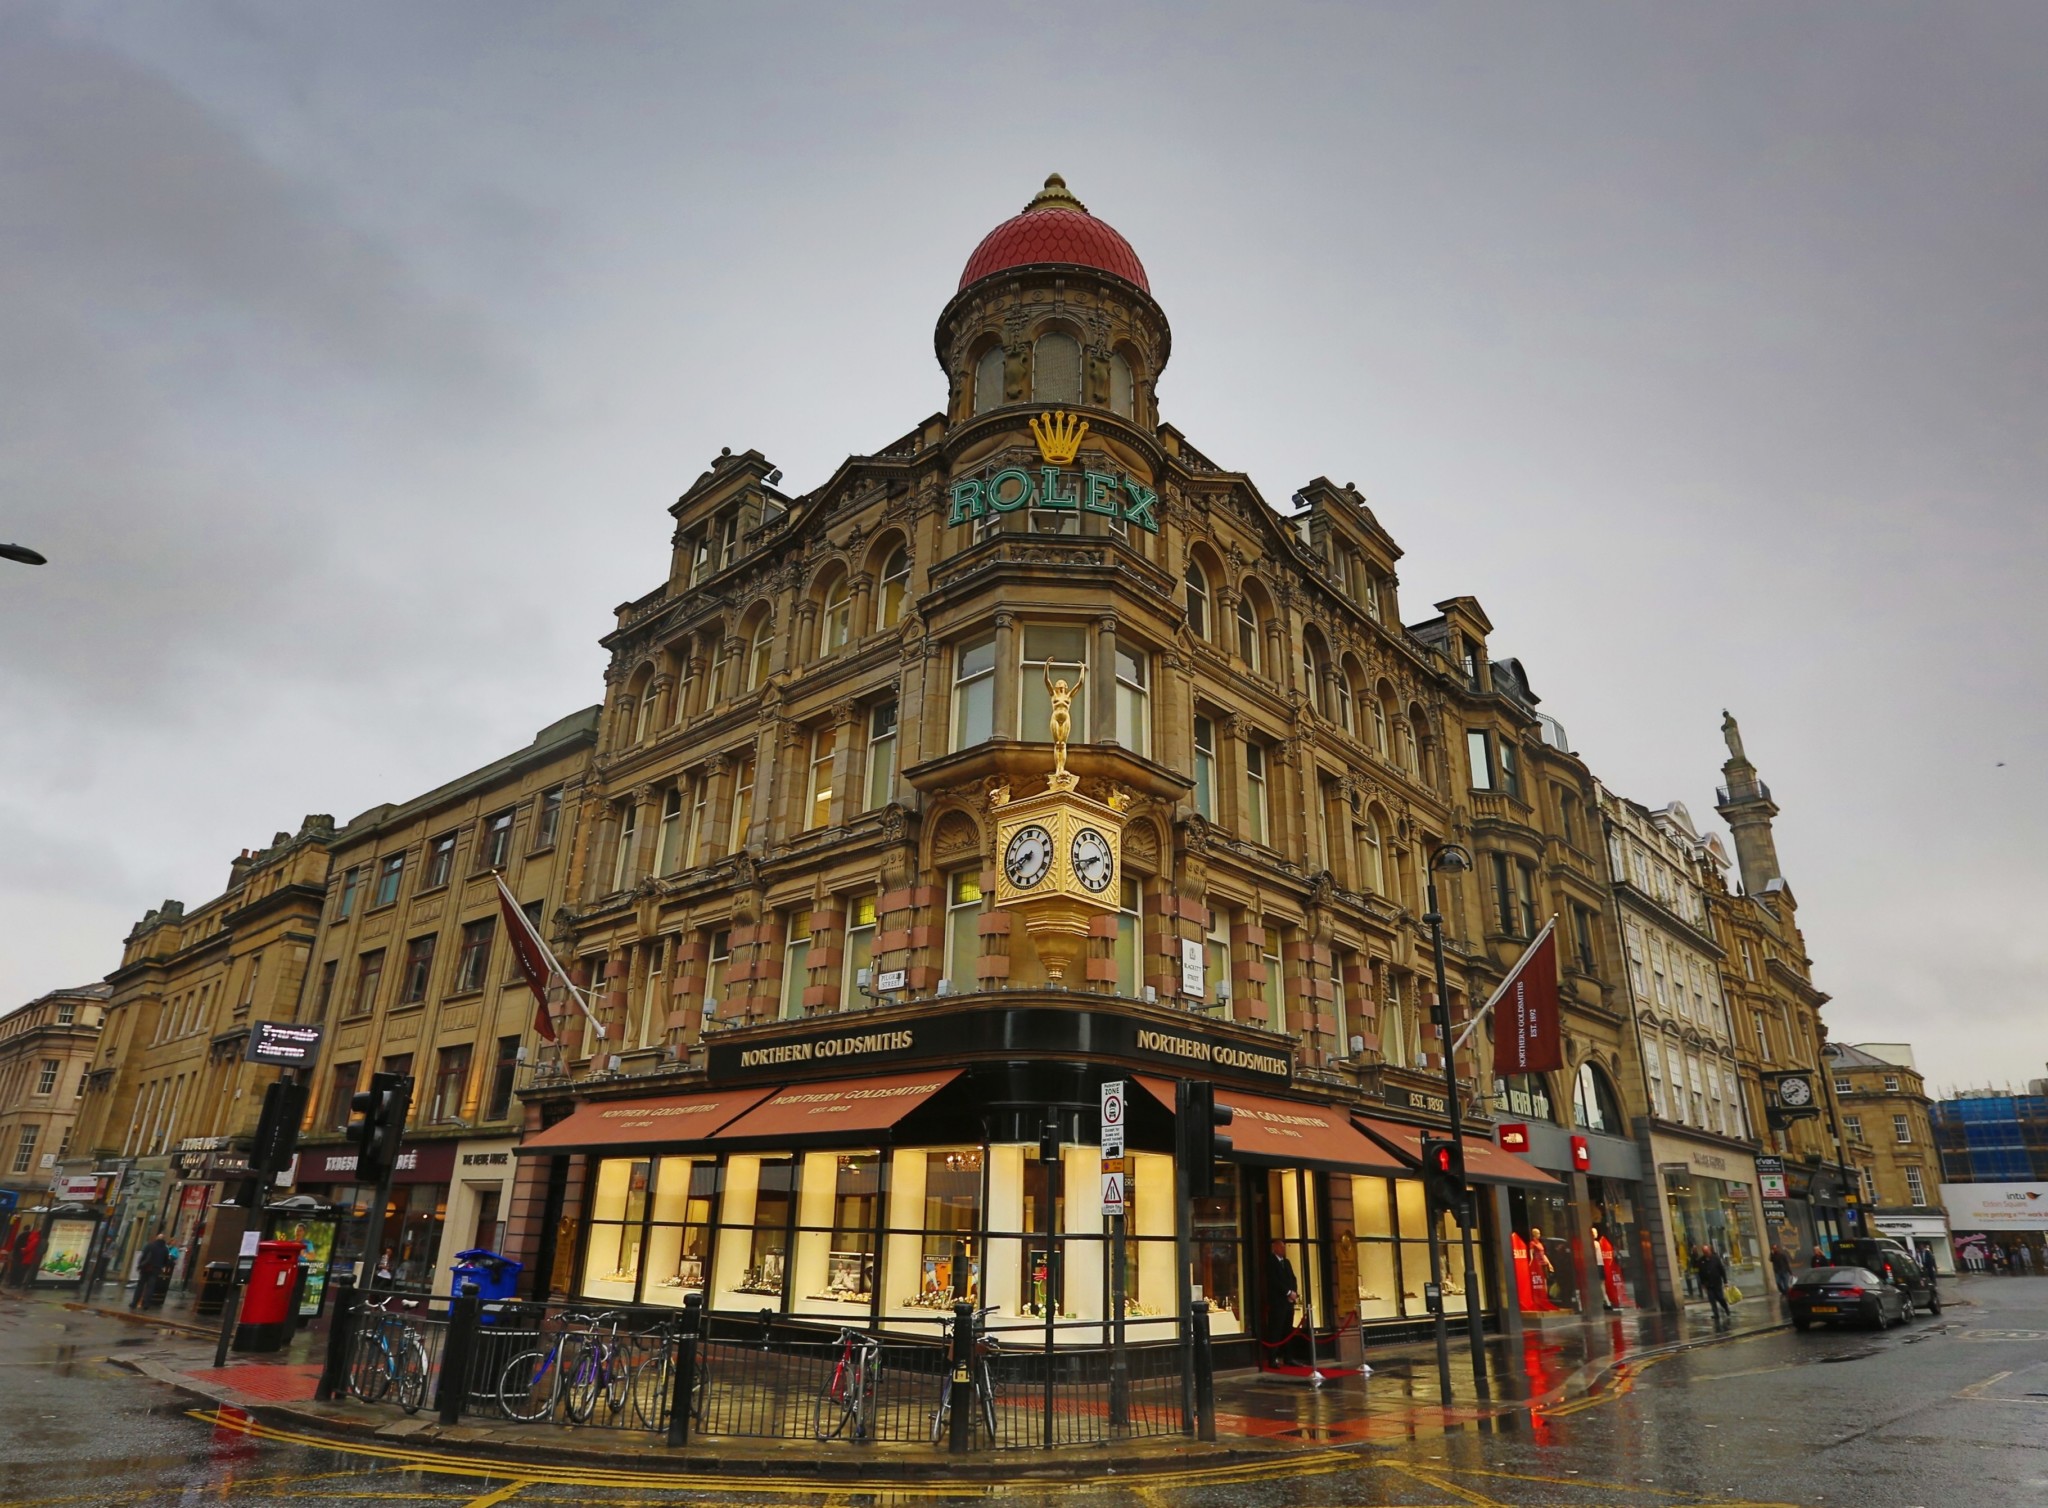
(1094, 863)
(1028, 856)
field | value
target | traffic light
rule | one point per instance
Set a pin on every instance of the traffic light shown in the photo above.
(1443, 1174)
(277, 1133)
(1197, 1119)
(382, 1108)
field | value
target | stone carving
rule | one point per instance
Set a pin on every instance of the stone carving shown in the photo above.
(955, 838)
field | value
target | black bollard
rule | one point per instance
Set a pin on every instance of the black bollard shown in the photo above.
(962, 1437)
(1205, 1375)
(685, 1372)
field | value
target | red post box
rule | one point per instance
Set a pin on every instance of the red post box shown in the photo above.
(266, 1305)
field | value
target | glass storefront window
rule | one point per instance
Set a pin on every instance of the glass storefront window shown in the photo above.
(753, 1235)
(837, 1216)
(679, 1233)
(933, 1251)
(1218, 1247)
(1540, 1244)
(1719, 1214)
(618, 1214)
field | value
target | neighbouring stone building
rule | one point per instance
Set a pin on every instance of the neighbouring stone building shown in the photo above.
(171, 1105)
(46, 1048)
(1888, 1125)
(412, 974)
(1807, 1183)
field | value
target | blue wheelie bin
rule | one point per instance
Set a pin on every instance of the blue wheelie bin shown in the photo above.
(496, 1279)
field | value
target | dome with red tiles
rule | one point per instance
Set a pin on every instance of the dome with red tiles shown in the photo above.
(1055, 228)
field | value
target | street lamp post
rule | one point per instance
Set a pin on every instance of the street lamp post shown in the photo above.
(1451, 859)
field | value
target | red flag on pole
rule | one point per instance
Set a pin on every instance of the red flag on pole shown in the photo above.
(1529, 1037)
(537, 965)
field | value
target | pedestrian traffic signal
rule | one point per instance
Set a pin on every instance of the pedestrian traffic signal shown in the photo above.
(382, 1108)
(1443, 1174)
(1197, 1119)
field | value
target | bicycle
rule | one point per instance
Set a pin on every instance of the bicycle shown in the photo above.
(849, 1398)
(389, 1356)
(986, 1349)
(603, 1370)
(652, 1387)
(531, 1384)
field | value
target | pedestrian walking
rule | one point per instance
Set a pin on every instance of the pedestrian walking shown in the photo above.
(26, 1255)
(150, 1269)
(1712, 1274)
(1819, 1257)
(1781, 1269)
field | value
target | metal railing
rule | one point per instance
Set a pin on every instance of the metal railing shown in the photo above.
(556, 1365)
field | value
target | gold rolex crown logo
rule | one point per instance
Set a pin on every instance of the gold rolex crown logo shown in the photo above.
(1059, 435)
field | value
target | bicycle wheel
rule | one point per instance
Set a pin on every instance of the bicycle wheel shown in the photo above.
(527, 1386)
(834, 1411)
(411, 1371)
(988, 1401)
(945, 1406)
(583, 1380)
(369, 1372)
(649, 1389)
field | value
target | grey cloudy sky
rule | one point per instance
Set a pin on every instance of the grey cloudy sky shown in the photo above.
(349, 356)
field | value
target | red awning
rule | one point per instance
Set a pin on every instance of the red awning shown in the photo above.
(1264, 1129)
(844, 1108)
(673, 1118)
(1484, 1162)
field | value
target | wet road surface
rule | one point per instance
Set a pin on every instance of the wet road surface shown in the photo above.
(1945, 1411)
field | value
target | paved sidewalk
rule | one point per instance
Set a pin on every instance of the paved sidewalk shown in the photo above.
(1258, 1416)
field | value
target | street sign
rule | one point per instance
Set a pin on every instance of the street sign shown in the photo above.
(890, 980)
(1192, 982)
(283, 1044)
(1112, 1193)
(1113, 1118)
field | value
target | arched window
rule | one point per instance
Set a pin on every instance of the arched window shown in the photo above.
(761, 653)
(1418, 730)
(988, 380)
(1198, 599)
(836, 620)
(1594, 1106)
(1347, 715)
(1247, 634)
(642, 693)
(1123, 387)
(1379, 726)
(1315, 685)
(1056, 369)
(895, 587)
(1374, 866)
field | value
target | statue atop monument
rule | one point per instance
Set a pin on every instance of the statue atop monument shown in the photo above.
(1733, 735)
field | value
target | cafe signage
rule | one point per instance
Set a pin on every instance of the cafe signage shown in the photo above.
(997, 1031)
(1056, 487)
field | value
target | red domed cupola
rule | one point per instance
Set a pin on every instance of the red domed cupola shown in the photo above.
(1055, 229)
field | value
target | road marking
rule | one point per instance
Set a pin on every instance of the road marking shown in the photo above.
(499, 1496)
(1977, 1389)
(1431, 1479)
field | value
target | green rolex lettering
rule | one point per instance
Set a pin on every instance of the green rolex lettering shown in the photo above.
(1101, 493)
(1049, 494)
(967, 502)
(1139, 509)
(1016, 499)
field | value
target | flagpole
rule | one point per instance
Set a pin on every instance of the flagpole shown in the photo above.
(556, 972)
(1506, 979)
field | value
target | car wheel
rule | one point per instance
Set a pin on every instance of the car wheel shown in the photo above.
(1883, 1321)
(1934, 1303)
(1802, 1325)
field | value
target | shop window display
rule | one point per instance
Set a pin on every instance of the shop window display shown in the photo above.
(1717, 1213)
(679, 1229)
(618, 1219)
(933, 1251)
(838, 1211)
(753, 1236)
(1392, 1236)
(1541, 1247)
(412, 1232)
(1218, 1254)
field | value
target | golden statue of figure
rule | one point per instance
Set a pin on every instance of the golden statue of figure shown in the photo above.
(1062, 712)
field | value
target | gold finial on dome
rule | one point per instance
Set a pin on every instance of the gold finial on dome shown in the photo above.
(1055, 196)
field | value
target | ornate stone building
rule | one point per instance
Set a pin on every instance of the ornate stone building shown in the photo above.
(785, 878)
(170, 1105)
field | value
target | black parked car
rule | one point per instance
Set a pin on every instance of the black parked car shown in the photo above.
(1842, 1295)
(1891, 1261)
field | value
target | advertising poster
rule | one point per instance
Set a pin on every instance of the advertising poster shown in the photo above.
(319, 1238)
(64, 1253)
